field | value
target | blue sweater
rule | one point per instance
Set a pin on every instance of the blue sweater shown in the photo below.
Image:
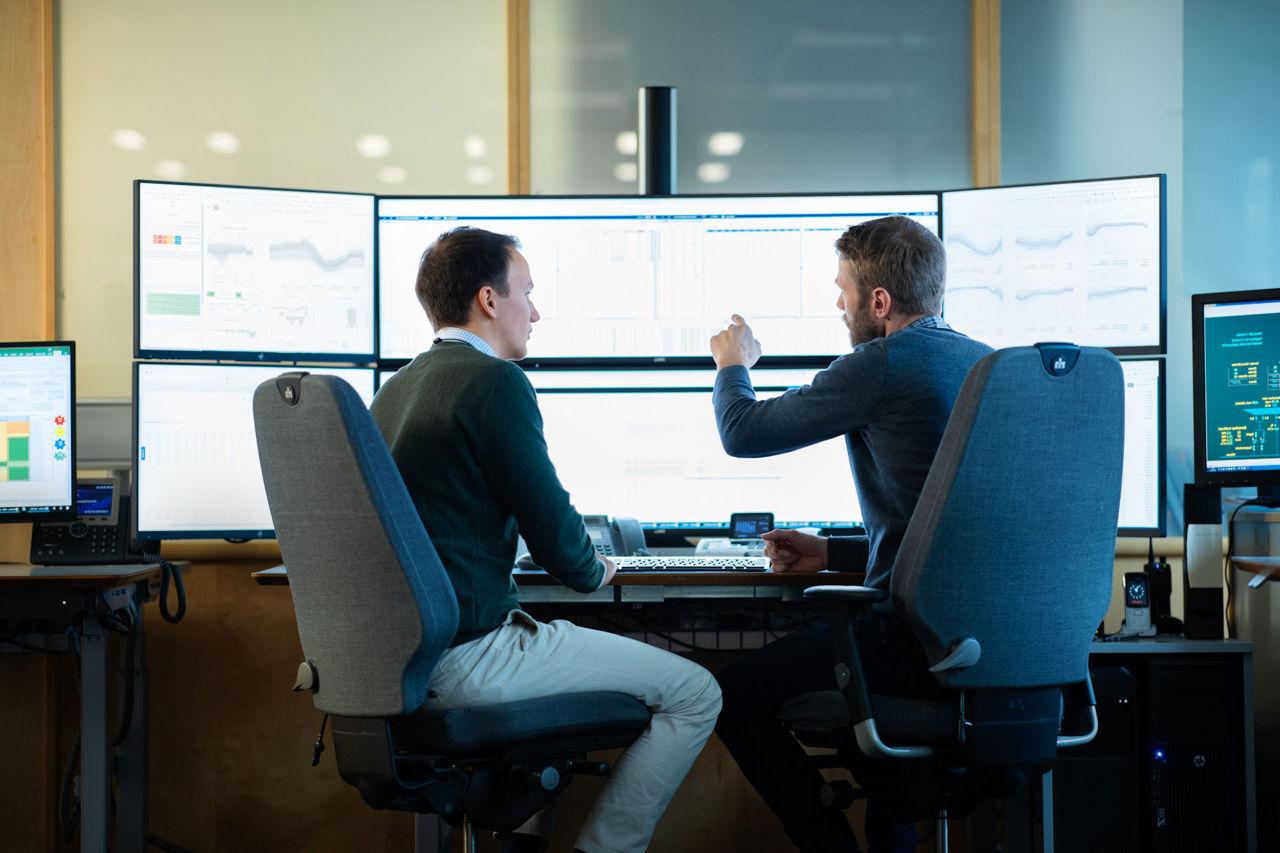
(890, 398)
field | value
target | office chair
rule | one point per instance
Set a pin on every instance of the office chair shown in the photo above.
(375, 610)
(1003, 575)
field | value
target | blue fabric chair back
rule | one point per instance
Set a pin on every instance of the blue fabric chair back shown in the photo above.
(1013, 539)
(374, 606)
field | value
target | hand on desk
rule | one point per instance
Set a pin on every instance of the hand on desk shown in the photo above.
(735, 345)
(609, 571)
(793, 551)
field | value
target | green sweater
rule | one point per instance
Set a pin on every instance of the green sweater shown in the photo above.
(465, 432)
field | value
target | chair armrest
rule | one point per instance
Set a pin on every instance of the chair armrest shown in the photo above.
(847, 594)
(1081, 699)
(850, 679)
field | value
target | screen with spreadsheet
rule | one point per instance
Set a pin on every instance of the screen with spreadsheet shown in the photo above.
(235, 271)
(644, 444)
(646, 277)
(196, 455)
(37, 431)
(1080, 262)
(1142, 489)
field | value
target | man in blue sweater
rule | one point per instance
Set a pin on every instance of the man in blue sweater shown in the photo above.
(464, 429)
(890, 398)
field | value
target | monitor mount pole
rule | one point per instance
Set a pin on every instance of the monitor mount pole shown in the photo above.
(657, 140)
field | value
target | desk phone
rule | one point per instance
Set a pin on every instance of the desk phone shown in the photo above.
(99, 535)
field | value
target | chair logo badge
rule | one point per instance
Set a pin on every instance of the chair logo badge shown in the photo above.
(288, 393)
(1059, 364)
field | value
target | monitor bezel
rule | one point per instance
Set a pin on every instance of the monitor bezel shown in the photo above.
(28, 514)
(1204, 477)
(1162, 506)
(606, 362)
(1148, 350)
(135, 502)
(263, 356)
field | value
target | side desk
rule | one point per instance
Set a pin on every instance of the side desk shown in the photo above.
(80, 596)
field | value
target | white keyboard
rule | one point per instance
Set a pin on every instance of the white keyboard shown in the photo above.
(691, 564)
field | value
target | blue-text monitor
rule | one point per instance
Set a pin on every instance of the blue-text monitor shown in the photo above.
(644, 444)
(37, 431)
(1236, 352)
(196, 469)
(230, 272)
(647, 278)
(1081, 262)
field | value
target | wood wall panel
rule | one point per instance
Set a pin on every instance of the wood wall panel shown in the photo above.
(230, 744)
(986, 93)
(27, 682)
(518, 140)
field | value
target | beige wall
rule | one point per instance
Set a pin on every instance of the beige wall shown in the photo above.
(297, 82)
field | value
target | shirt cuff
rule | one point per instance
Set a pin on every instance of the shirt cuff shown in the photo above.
(847, 553)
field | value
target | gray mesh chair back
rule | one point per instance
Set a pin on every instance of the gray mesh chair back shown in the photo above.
(374, 606)
(1012, 542)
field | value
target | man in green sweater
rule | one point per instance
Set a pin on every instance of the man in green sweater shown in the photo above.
(463, 425)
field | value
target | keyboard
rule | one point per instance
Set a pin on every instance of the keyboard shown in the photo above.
(691, 564)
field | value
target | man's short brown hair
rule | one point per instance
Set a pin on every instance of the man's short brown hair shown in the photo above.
(456, 266)
(900, 255)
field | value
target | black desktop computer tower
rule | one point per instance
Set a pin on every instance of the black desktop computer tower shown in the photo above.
(1196, 757)
(1166, 771)
(1096, 790)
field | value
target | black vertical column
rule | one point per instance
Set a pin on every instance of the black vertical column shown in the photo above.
(657, 138)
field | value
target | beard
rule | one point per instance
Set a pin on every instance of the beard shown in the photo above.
(863, 327)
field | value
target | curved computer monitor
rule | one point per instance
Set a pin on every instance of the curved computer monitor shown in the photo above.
(644, 444)
(646, 280)
(253, 273)
(1236, 350)
(37, 431)
(1080, 261)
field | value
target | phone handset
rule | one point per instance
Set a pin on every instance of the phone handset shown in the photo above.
(628, 537)
(611, 537)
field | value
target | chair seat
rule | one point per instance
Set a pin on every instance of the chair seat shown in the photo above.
(900, 721)
(577, 721)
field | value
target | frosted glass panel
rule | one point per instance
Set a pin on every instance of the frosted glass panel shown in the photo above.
(773, 97)
(399, 96)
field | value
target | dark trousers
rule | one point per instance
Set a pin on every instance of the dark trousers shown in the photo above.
(754, 689)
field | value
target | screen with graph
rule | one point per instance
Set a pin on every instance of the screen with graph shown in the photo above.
(37, 438)
(196, 455)
(1237, 381)
(1142, 488)
(644, 444)
(646, 277)
(235, 271)
(1080, 262)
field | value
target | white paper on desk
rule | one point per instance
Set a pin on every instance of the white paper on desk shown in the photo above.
(1204, 555)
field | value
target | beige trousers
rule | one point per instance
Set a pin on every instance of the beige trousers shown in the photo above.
(524, 659)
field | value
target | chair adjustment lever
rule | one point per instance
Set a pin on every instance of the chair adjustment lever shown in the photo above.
(308, 677)
(965, 652)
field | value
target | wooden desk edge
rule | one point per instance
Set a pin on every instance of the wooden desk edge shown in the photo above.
(19, 576)
(278, 576)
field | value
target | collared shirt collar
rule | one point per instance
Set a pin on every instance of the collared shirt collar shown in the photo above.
(932, 321)
(453, 333)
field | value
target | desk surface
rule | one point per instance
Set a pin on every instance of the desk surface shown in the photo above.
(279, 576)
(26, 575)
(1171, 645)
